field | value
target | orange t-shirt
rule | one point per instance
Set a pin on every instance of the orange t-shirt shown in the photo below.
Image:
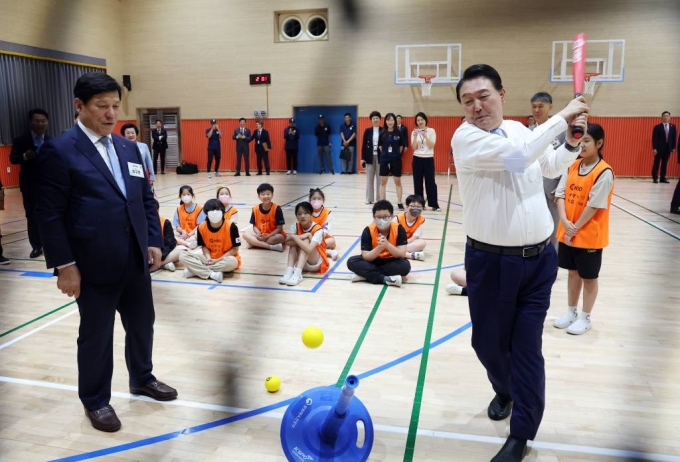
(218, 242)
(188, 221)
(321, 247)
(401, 219)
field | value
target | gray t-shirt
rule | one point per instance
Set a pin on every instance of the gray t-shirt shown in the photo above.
(599, 193)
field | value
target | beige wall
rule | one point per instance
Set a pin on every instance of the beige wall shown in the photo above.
(197, 54)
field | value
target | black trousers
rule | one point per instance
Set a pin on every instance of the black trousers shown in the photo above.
(27, 189)
(217, 154)
(131, 296)
(242, 151)
(423, 168)
(675, 202)
(291, 159)
(660, 159)
(376, 270)
(262, 155)
(156, 154)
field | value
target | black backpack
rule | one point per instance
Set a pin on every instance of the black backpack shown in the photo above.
(187, 169)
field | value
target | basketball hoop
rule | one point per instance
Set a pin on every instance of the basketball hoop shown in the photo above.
(426, 84)
(590, 81)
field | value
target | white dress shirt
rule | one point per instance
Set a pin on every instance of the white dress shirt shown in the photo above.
(376, 140)
(501, 184)
(96, 140)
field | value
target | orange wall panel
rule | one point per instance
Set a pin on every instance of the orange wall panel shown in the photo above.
(12, 178)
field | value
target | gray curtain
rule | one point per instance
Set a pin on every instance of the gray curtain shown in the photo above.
(27, 83)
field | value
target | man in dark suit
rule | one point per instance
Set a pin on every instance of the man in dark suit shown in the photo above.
(262, 147)
(242, 136)
(25, 150)
(101, 233)
(160, 145)
(663, 142)
(403, 131)
(675, 201)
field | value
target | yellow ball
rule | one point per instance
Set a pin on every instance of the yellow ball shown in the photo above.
(312, 337)
(272, 384)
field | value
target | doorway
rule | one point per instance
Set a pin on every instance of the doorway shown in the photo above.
(171, 121)
(306, 120)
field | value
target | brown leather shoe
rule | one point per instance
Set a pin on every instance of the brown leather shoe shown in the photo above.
(104, 419)
(156, 390)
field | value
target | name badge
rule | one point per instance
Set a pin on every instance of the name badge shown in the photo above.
(389, 149)
(258, 141)
(136, 170)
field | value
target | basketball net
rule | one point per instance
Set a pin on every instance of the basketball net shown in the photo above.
(426, 84)
(590, 81)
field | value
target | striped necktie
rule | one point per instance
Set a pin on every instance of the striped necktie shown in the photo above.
(114, 164)
(499, 132)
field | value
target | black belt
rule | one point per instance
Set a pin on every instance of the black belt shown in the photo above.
(526, 252)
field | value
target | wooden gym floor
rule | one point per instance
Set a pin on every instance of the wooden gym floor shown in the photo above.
(612, 394)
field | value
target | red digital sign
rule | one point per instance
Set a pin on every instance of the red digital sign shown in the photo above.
(260, 79)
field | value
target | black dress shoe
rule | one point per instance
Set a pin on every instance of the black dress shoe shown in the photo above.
(104, 419)
(35, 253)
(499, 408)
(237, 174)
(247, 173)
(259, 173)
(513, 450)
(656, 181)
(156, 390)
(676, 211)
(665, 181)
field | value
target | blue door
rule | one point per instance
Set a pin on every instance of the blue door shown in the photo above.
(306, 119)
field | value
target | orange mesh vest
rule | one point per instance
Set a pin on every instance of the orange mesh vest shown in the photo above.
(266, 223)
(322, 219)
(228, 214)
(391, 237)
(163, 220)
(187, 221)
(321, 247)
(218, 242)
(401, 219)
(595, 233)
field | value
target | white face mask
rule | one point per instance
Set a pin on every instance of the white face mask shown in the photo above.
(224, 198)
(215, 216)
(187, 199)
(317, 204)
(382, 223)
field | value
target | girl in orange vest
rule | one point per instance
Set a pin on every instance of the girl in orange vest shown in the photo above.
(583, 198)
(187, 218)
(324, 217)
(224, 196)
(219, 240)
(412, 220)
(306, 247)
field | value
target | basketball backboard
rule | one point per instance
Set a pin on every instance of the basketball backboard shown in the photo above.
(443, 61)
(603, 57)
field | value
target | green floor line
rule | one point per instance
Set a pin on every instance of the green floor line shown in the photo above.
(36, 319)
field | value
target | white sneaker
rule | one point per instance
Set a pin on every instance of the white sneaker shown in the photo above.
(170, 266)
(295, 279)
(454, 289)
(209, 175)
(187, 273)
(333, 254)
(284, 279)
(393, 281)
(566, 320)
(216, 276)
(294, 172)
(357, 278)
(419, 256)
(289, 172)
(217, 174)
(277, 247)
(581, 325)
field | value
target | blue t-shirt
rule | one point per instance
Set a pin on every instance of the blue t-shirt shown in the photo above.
(214, 140)
(322, 135)
(390, 142)
(348, 131)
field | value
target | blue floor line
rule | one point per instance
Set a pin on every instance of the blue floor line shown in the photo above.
(336, 266)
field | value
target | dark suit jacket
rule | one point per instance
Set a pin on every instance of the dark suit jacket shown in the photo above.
(263, 138)
(159, 145)
(405, 139)
(246, 132)
(82, 214)
(19, 146)
(367, 145)
(659, 138)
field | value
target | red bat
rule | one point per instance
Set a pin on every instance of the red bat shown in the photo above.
(579, 68)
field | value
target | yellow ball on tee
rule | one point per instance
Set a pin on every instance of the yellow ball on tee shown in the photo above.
(312, 337)
(272, 384)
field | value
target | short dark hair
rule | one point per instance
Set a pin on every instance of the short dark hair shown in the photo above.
(313, 191)
(158, 120)
(399, 116)
(304, 205)
(213, 204)
(128, 125)
(542, 97)
(420, 114)
(530, 116)
(38, 111)
(664, 113)
(480, 70)
(242, 119)
(374, 114)
(415, 198)
(259, 122)
(94, 83)
(187, 188)
(383, 205)
(265, 187)
(348, 114)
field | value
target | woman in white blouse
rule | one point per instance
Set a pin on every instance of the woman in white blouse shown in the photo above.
(423, 140)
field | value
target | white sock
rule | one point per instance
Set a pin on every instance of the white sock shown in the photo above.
(573, 309)
(297, 272)
(584, 315)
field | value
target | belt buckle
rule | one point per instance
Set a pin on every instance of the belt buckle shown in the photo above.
(524, 252)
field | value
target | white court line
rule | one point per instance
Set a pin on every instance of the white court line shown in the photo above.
(660, 228)
(37, 329)
(609, 452)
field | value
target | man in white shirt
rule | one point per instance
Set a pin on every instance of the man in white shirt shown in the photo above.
(510, 263)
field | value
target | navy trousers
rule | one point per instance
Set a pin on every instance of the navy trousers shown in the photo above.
(130, 295)
(509, 298)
